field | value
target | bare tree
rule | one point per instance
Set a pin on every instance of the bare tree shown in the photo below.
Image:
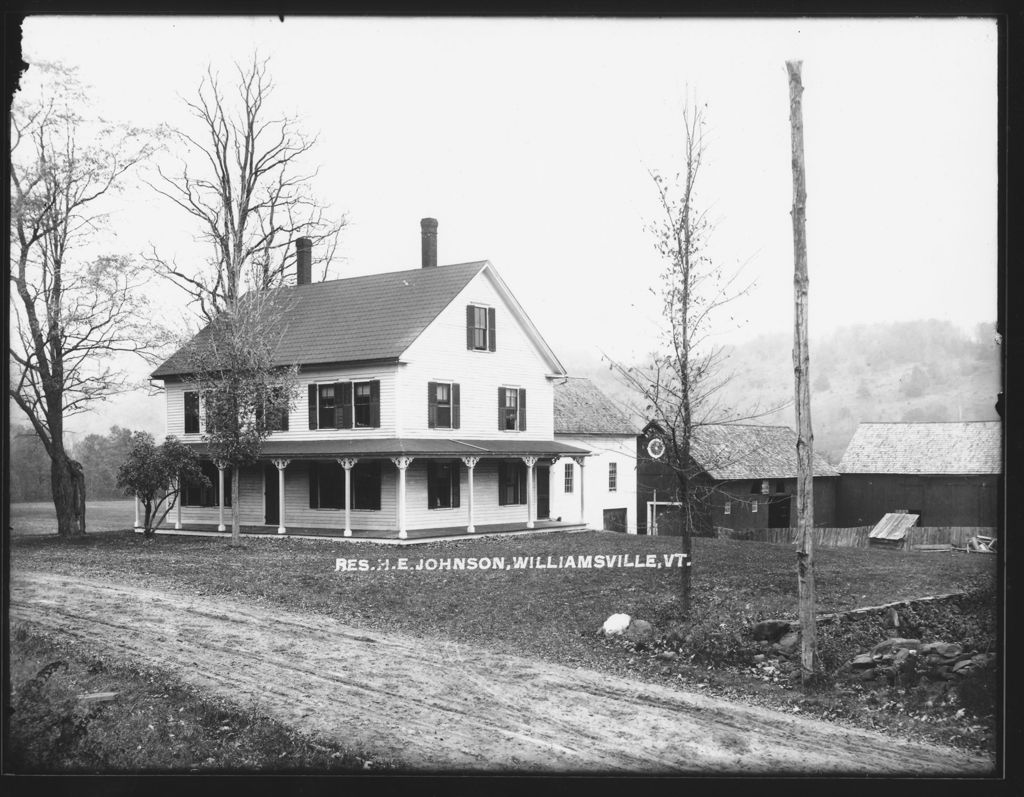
(70, 313)
(801, 371)
(243, 182)
(246, 392)
(680, 387)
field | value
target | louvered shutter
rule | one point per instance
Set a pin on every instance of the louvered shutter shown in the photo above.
(491, 332)
(314, 492)
(431, 405)
(502, 479)
(522, 409)
(469, 326)
(312, 407)
(343, 404)
(431, 476)
(501, 408)
(456, 477)
(455, 406)
(375, 403)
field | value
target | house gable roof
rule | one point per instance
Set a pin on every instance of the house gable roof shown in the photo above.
(727, 452)
(972, 447)
(581, 408)
(362, 319)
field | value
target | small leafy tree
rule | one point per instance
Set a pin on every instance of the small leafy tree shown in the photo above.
(245, 390)
(156, 474)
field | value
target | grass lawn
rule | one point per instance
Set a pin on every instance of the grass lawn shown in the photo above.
(556, 615)
(154, 722)
(39, 517)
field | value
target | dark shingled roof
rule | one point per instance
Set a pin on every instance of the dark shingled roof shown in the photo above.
(972, 447)
(741, 451)
(580, 408)
(374, 317)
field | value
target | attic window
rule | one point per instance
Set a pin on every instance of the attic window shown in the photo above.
(480, 328)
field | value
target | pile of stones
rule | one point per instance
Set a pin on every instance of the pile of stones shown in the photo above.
(936, 661)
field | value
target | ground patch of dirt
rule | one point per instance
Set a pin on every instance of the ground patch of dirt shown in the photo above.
(446, 706)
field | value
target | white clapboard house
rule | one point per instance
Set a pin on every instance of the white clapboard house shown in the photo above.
(426, 410)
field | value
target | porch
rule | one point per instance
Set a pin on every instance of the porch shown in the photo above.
(385, 489)
(413, 536)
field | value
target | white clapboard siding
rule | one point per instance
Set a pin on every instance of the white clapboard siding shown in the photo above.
(620, 449)
(298, 418)
(440, 355)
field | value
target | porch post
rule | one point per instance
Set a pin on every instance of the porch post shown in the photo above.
(530, 462)
(280, 464)
(136, 526)
(402, 463)
(470, 463)
(348, 463)
(581, 461)
(177, 501)
(220, 494)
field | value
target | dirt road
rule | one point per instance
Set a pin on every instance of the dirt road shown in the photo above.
(443, 706)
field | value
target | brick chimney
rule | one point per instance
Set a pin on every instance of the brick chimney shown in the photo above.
(303, 261)
(428, 235)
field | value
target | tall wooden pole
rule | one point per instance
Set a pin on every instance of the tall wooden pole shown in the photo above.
(801, 368)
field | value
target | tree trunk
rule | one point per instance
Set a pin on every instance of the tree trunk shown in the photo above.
(801, 369)
(67, 483)
(236, 530)
(686, 534)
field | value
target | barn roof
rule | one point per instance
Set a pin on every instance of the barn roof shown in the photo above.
(971, 447)
(745, 451)
(581, 408)
(357, 319)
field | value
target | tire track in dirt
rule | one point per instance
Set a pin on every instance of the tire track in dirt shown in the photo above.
(438, 705)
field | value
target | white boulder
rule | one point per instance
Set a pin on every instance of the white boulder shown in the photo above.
(616, 624)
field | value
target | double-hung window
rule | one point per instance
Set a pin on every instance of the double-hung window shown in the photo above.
(191, 412)
(511, 409)
(344, 405)
(613, 476)
(442, 484)
(327, 485)
(480, 332)
(442, 405)
(568, 477)
(511, 483)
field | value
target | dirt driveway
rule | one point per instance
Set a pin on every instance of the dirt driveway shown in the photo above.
(444, 706)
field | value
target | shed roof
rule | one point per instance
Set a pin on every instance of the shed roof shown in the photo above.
(962, 447)
(581, 408)
(893, 526)
(746, 451)
(369, 318)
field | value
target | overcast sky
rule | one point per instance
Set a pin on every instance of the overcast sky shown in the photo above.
(530, 141)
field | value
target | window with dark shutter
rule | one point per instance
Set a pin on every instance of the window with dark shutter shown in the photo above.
(511, 409)
(197, 494)
(431, 405)
(327, 486)
(327, 406)
(440, 413)
(191, 412)
(366, 404)
(480, 328)
(511, 483)
(312, 408)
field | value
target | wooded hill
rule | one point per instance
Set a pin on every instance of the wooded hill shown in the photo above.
(912, 371)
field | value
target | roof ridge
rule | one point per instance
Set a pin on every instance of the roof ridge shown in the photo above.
(385, 273)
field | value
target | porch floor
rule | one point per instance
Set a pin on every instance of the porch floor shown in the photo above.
(375, 535)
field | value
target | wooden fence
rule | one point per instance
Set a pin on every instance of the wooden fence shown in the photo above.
(857, 536)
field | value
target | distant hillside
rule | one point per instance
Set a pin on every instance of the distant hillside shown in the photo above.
(904, 371)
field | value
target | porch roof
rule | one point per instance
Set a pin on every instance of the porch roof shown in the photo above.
(410, 447)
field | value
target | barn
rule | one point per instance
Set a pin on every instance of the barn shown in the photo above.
(946, 473)
(748, 475)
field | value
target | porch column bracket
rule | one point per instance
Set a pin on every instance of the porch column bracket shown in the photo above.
(280, 464)
(221, 467)
(470, 463)
(530, 462)
(402, 463)
(348, 463)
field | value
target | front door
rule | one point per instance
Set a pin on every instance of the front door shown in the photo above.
(271, 497)
(543, 492)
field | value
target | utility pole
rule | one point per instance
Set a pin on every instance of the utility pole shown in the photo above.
(801, 368)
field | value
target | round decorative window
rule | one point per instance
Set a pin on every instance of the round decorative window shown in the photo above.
(656, 448)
